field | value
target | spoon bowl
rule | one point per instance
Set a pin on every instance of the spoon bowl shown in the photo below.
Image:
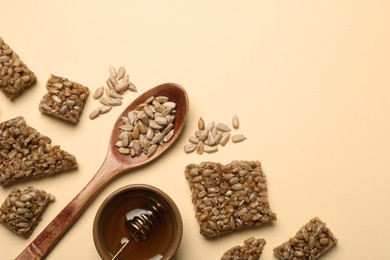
(114, 165)
(175, 93)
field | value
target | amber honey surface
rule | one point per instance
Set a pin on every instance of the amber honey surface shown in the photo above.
(114, 227)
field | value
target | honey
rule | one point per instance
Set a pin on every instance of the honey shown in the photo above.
(115, 229)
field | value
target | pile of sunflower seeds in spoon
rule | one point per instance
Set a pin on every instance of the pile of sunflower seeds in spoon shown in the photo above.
(207, 138)
(117, 84)
(147, 127)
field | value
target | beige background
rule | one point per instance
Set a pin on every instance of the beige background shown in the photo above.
(308, 79)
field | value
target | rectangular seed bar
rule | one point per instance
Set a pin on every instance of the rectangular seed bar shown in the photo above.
(26, 154)
(228, 197)
(22, 210)
(15, 76)
(310, 242)
(65, 99)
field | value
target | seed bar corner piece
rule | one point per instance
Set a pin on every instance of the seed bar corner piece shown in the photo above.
(310, 242)
(22, 210)
(26, 154)
(229, 197)
(15, 76)
(65, 99)
(251, 250)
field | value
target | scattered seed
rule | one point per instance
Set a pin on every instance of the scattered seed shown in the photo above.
(200, 124)
(193, 139)
(113, 81)
(105, 101)
(223, 128)
(210, 149)
(121, 87)
(203, 136)
(200, 148)
(113, 94)
(238, 138)
(94, 114)
(210, 125)
(112, 71)
(225, 138)
(98, 92)
(117, 83)
(189, 148)
(235, 122)
(212, 135)
(132, 87)
(120, 73)
(115, 102)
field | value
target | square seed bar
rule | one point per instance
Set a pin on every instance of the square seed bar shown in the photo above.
(22, 210)
(310, 242)
(251, 250)
(26, 154)
(228, 197)
(15, 76)
(65, 99)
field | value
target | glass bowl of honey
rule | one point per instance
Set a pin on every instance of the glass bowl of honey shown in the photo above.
(137, 222)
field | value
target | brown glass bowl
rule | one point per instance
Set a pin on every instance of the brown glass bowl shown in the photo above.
(163, 224)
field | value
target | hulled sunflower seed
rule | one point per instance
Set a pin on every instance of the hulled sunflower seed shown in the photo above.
(162, 99)
(154, 125)
(169, 104)
(113, 81)
(201, 124)
(104, 109)
(203, 135)
(193, 139)
(98, 93)
(115, 102)
(189, 148)
(225, 138)
(238, 138)
(113, 94)
(222, 127)
(120, 87)
(112, 71)
(124, 150)
(152, 150)
(105, 101)
(132, 87)
(211, 139)
(200, 148)
(120, 73)
(210, 125)
(235, 122)
(168, 136)
(210, 148)
(94, 114)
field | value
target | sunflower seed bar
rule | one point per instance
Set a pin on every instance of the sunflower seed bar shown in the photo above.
(22, 210)
(310, 242)
(251, 250)
(65, 100)
(228, 197)
(15, 76)
(26, 154)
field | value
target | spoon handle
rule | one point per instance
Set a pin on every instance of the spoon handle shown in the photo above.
(52, 234)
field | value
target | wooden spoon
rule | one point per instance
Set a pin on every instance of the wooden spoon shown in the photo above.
(114, 164)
